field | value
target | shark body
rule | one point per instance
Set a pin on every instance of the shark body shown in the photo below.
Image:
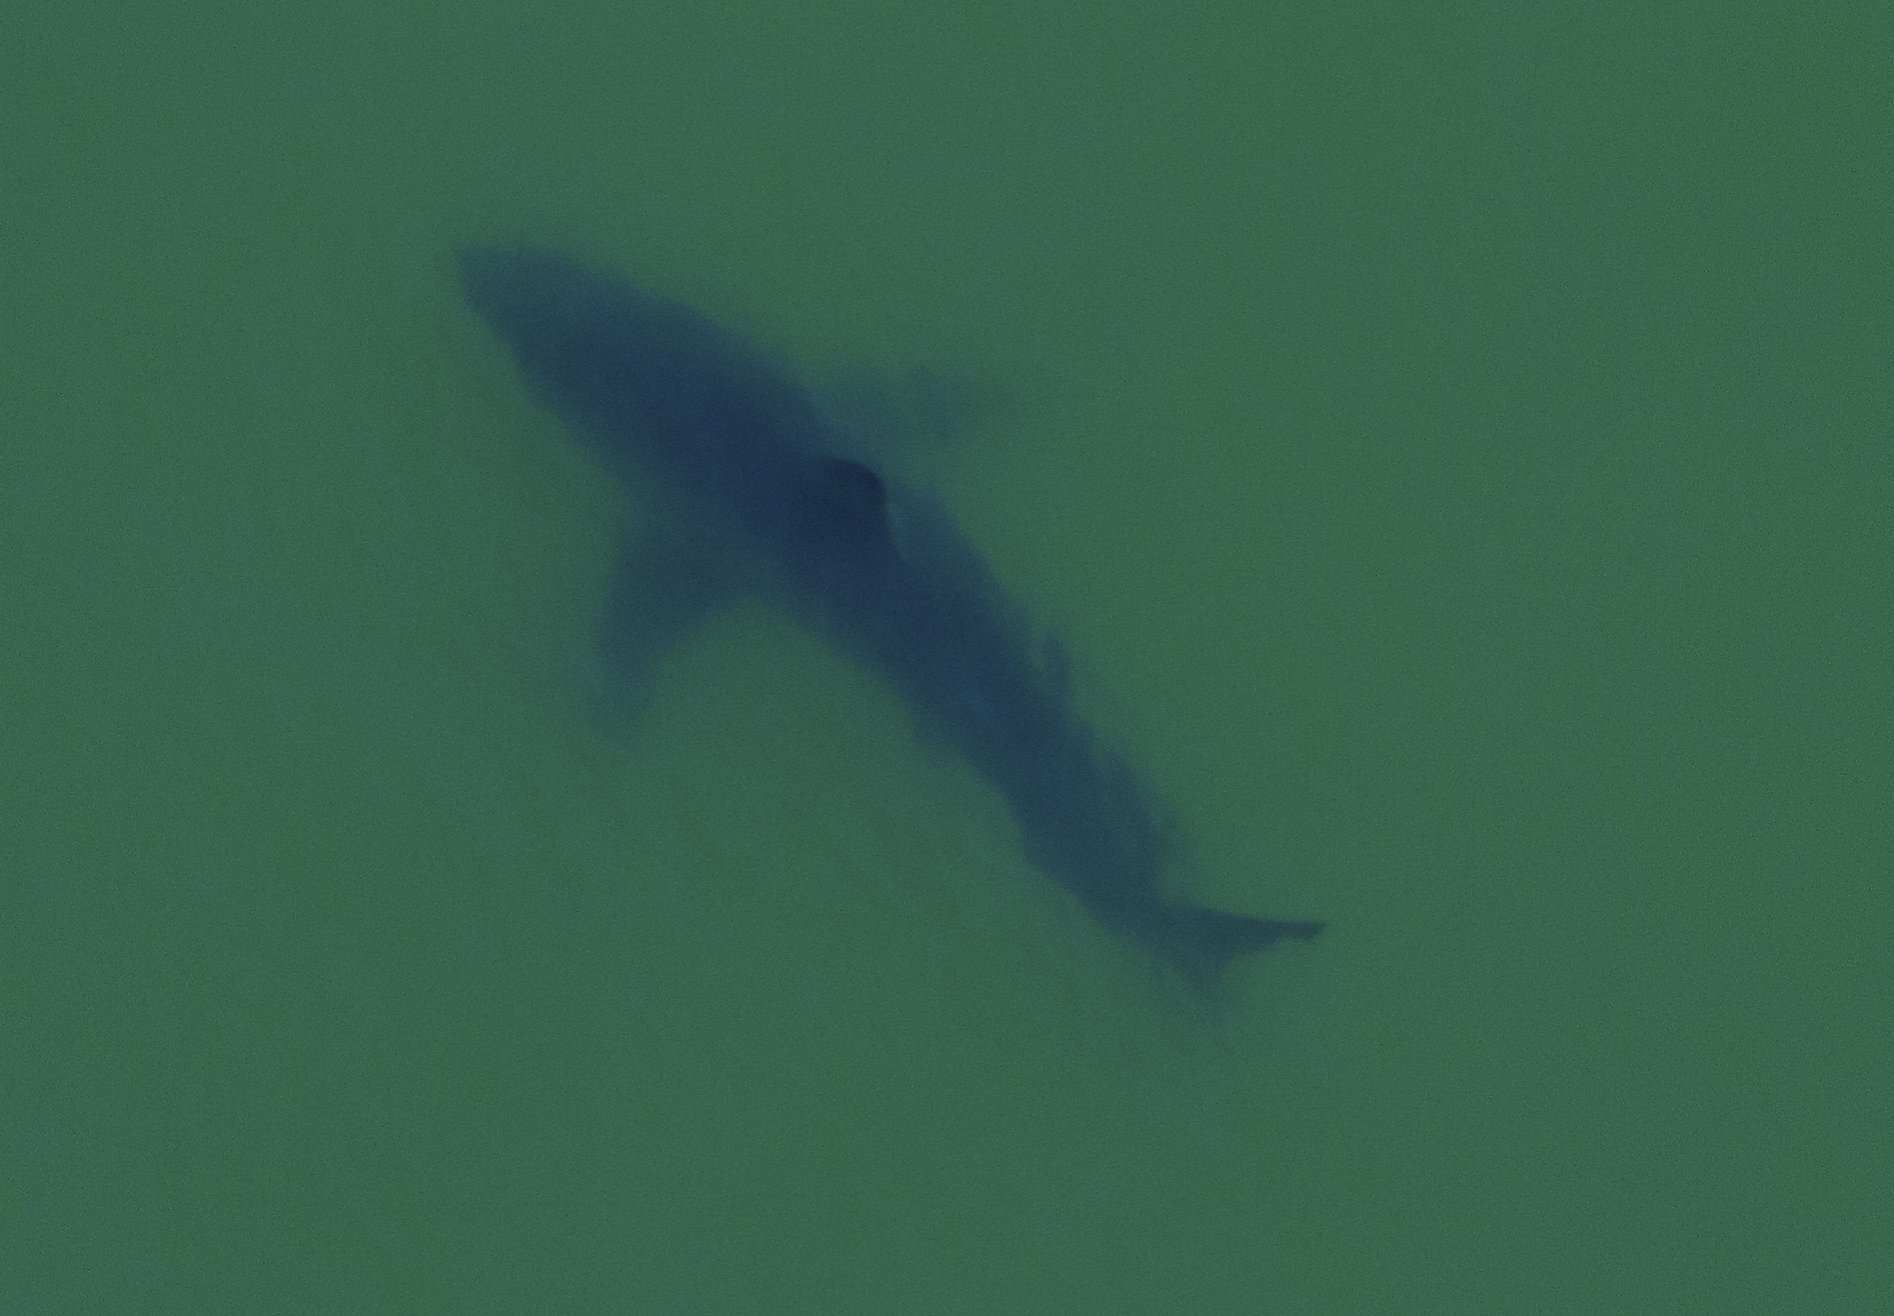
(758, 497)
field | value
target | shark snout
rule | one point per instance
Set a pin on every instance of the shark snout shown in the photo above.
(492, 278)
(531, 297)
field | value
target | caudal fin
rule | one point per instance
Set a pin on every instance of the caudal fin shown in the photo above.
(1201, 942)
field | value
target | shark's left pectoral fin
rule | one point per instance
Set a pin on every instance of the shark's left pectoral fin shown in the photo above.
(665, 585)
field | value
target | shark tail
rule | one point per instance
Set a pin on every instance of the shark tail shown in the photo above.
(1201, 942)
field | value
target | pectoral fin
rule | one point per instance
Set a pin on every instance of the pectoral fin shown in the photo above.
(908, 406)
(664, 586)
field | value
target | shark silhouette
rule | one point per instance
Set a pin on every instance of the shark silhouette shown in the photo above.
(759, 495)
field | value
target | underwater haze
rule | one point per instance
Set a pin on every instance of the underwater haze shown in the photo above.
(1452, 444)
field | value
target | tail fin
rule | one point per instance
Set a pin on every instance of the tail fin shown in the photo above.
(1201, 942)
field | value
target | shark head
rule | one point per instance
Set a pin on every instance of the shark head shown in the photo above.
(645, 379)
(596, 350)
(544, 305)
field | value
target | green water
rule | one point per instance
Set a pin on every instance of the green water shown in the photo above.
(1454, 443)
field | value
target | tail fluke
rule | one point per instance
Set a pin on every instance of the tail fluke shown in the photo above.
(1201, 942)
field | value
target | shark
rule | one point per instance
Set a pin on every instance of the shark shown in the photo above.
(758, 491)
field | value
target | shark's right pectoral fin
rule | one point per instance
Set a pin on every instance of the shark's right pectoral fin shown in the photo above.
(910, 405)
(664, 586)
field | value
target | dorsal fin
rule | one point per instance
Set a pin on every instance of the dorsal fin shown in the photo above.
(851, 500)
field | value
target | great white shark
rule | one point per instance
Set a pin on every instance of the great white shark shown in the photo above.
(760, 492)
